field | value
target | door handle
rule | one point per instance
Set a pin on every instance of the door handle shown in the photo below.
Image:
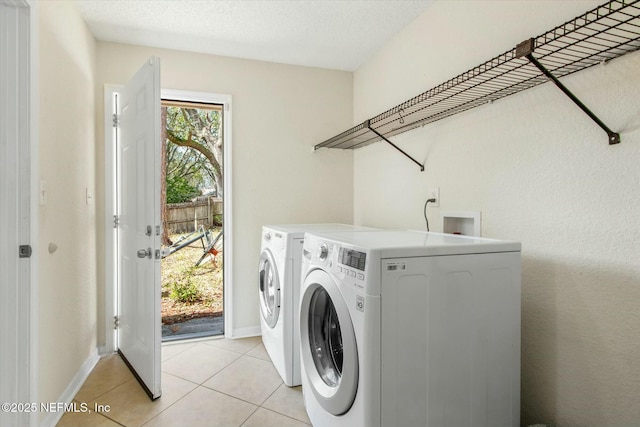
(143, 253)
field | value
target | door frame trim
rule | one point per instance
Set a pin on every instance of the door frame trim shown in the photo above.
(111, 306)
(110, 272)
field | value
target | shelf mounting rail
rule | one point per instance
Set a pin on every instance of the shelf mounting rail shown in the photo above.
(525, 49)
(601, 34)
(368, 125)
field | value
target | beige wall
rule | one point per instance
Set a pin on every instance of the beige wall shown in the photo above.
(67, 288)
(279, 113)
(535, 166)
(540, 172)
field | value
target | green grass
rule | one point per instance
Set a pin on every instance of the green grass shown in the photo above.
(185, 286)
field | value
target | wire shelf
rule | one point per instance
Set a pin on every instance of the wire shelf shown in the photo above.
(601, 34)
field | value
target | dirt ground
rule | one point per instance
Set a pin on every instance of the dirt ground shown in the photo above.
(178, 269)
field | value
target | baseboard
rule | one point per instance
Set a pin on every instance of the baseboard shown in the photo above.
(69, 393)
(102, 351)
(251, 331)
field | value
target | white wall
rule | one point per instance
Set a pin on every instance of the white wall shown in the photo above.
(541, 172)
(67, 286)
(279, 113)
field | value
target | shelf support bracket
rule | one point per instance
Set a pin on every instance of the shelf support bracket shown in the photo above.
(525, 49)
(367, 124)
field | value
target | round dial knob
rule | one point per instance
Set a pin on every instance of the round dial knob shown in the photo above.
(323, 252)
(267, 236)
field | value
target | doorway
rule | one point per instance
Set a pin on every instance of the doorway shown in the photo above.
(111, 278)
(192, 206)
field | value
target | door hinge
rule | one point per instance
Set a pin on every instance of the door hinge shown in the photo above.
(116, 221)
(116, 322)
(157, 230)
(116, 120)
(24, 251)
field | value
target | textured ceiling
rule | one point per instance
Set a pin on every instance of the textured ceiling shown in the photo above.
(336, 34)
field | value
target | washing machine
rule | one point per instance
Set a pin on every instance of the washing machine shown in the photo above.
(279, 290)
(408, 328)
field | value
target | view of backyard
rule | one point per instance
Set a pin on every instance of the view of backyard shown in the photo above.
(192, 265)
(190, 291)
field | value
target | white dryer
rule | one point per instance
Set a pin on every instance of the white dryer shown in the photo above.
(407, 328)
(279, 288)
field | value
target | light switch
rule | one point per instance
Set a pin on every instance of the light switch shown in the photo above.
(43, 192)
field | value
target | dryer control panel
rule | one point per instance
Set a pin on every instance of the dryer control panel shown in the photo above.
(352, 258)
(351, 264)
(348, 265)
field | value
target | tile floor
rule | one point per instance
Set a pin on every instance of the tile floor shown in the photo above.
(213, 382)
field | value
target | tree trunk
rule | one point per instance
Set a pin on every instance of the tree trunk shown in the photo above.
(163, 178)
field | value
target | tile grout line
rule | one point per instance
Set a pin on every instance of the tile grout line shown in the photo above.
(93, 399)
(246, 401)
(250, 415)
(213, 375)
(177, 354)
(111, 419)
(257, 405)
(284, 415)
(199, 385)
(230, 395)
(233, 351)
(277, 412)
(159, 413)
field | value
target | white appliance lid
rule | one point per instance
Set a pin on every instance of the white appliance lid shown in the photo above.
(320, 227)
(404, 243)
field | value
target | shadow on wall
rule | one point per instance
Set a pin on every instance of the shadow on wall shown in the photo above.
(580, 347)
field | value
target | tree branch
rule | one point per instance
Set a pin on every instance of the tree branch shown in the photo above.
(192, 144)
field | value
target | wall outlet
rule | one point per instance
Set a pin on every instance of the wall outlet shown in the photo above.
(434, 193)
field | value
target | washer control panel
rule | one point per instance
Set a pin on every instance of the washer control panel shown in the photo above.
(350, 273)
(352, 258)
(350, 265)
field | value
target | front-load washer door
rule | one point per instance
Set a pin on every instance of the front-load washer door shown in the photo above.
(329, 351)
(269, 288)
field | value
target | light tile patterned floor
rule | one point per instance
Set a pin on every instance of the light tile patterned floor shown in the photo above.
(215, 382)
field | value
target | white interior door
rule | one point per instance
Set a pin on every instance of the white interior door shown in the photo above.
(17, 136)
(139, 333)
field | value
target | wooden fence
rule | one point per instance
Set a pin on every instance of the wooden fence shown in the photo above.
(187, 217)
